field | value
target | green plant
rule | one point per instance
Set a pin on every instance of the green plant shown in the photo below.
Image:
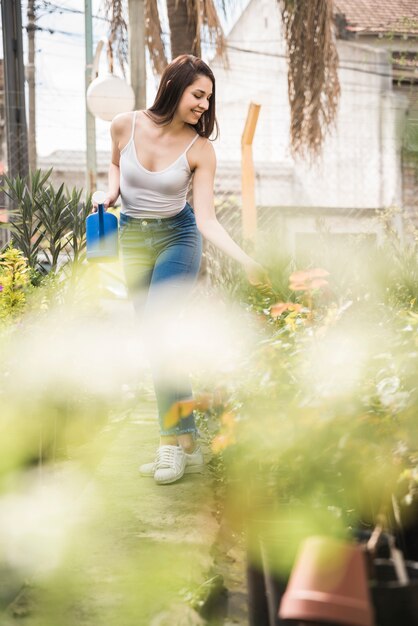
(78, 214)
(55, 223)
(46, 223)
(25, 222)
(322, 426)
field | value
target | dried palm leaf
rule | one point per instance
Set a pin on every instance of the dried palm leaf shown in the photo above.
(115, 13)
(314, 87)
(205, 18)
(153, 36)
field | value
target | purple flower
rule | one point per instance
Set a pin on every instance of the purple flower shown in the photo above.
(1, 287)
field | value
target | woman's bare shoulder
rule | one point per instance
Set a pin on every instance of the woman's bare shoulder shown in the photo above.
(202, 154)
(121, 123)
(205, 148)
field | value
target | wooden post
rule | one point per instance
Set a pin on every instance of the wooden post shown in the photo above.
(249, 213)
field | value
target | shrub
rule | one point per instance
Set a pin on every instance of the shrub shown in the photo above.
(14, 281)
(46, 224)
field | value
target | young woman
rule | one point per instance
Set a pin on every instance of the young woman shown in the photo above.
(155, 153)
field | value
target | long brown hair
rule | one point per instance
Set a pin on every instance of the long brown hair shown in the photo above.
(178, 75)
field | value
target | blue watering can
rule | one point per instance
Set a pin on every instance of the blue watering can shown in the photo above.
(101, 232)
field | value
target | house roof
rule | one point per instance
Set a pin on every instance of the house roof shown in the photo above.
(379, 16)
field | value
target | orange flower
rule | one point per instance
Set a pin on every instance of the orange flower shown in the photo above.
(305, 280)
(300, 286)
(300, 276)
(317, 283)
(318, 272)
(221, 442)
(179, 409)
(228, 420)
(280, 307)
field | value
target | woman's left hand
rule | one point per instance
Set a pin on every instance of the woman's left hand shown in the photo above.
(257, 275)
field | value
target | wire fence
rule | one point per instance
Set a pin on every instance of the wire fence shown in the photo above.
(369, 162)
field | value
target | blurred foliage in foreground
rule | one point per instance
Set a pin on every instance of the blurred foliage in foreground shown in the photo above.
(317, 428)
(320, 434)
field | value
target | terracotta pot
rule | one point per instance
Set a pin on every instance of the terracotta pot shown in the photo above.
(328, 584)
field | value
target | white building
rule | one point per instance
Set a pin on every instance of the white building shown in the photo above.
(360, 169)
(363, 168)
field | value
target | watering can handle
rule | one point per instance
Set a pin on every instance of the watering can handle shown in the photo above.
(99, 197)
(100, 211)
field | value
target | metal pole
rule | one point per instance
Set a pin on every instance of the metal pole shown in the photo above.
(91, 172)
(30, 68)
(16, 131)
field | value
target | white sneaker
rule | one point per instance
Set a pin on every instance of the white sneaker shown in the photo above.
(195, 463)
(169, 464)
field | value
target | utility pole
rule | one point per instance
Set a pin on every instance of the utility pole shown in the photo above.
(91, 172)
(16, 131)
(137, 61)
(30, 75)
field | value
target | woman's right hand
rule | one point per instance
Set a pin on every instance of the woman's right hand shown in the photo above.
(257, 276)
(109, 200)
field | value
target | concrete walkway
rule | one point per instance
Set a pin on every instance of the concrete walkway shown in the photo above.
(144, 552)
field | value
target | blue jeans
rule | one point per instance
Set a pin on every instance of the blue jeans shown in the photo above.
(161, 256)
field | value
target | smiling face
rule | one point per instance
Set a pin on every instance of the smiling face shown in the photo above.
(195, 100)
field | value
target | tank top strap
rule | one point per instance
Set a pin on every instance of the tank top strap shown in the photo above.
(191, 143)
(133, 126)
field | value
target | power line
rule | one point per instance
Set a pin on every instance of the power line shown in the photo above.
(255, 52)
(63, 9)
(283, 56)
(53, 31)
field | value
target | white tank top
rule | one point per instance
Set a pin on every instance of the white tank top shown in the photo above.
(152, 194)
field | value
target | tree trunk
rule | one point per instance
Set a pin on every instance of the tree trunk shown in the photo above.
(136, 48)
(182, 29)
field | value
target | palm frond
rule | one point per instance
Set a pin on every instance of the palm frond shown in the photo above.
(115, 13)
(153, 36)
(314, 87)
(205, 17)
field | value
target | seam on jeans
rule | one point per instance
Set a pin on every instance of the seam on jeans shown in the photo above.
(187, 431)
(197, 248)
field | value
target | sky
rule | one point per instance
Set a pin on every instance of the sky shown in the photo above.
(60, 68)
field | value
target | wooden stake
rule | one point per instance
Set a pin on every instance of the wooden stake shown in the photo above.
(249, 212)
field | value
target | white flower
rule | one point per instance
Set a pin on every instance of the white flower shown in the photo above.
(388, 385)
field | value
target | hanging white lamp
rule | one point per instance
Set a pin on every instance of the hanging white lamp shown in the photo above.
(108, 95)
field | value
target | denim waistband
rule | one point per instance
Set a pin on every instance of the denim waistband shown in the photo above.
(154, 223)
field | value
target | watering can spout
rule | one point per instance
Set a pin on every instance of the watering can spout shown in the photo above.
(101, 232)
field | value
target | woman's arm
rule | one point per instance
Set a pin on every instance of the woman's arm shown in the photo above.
(207, 223)
(119, 129)
(116, 129)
